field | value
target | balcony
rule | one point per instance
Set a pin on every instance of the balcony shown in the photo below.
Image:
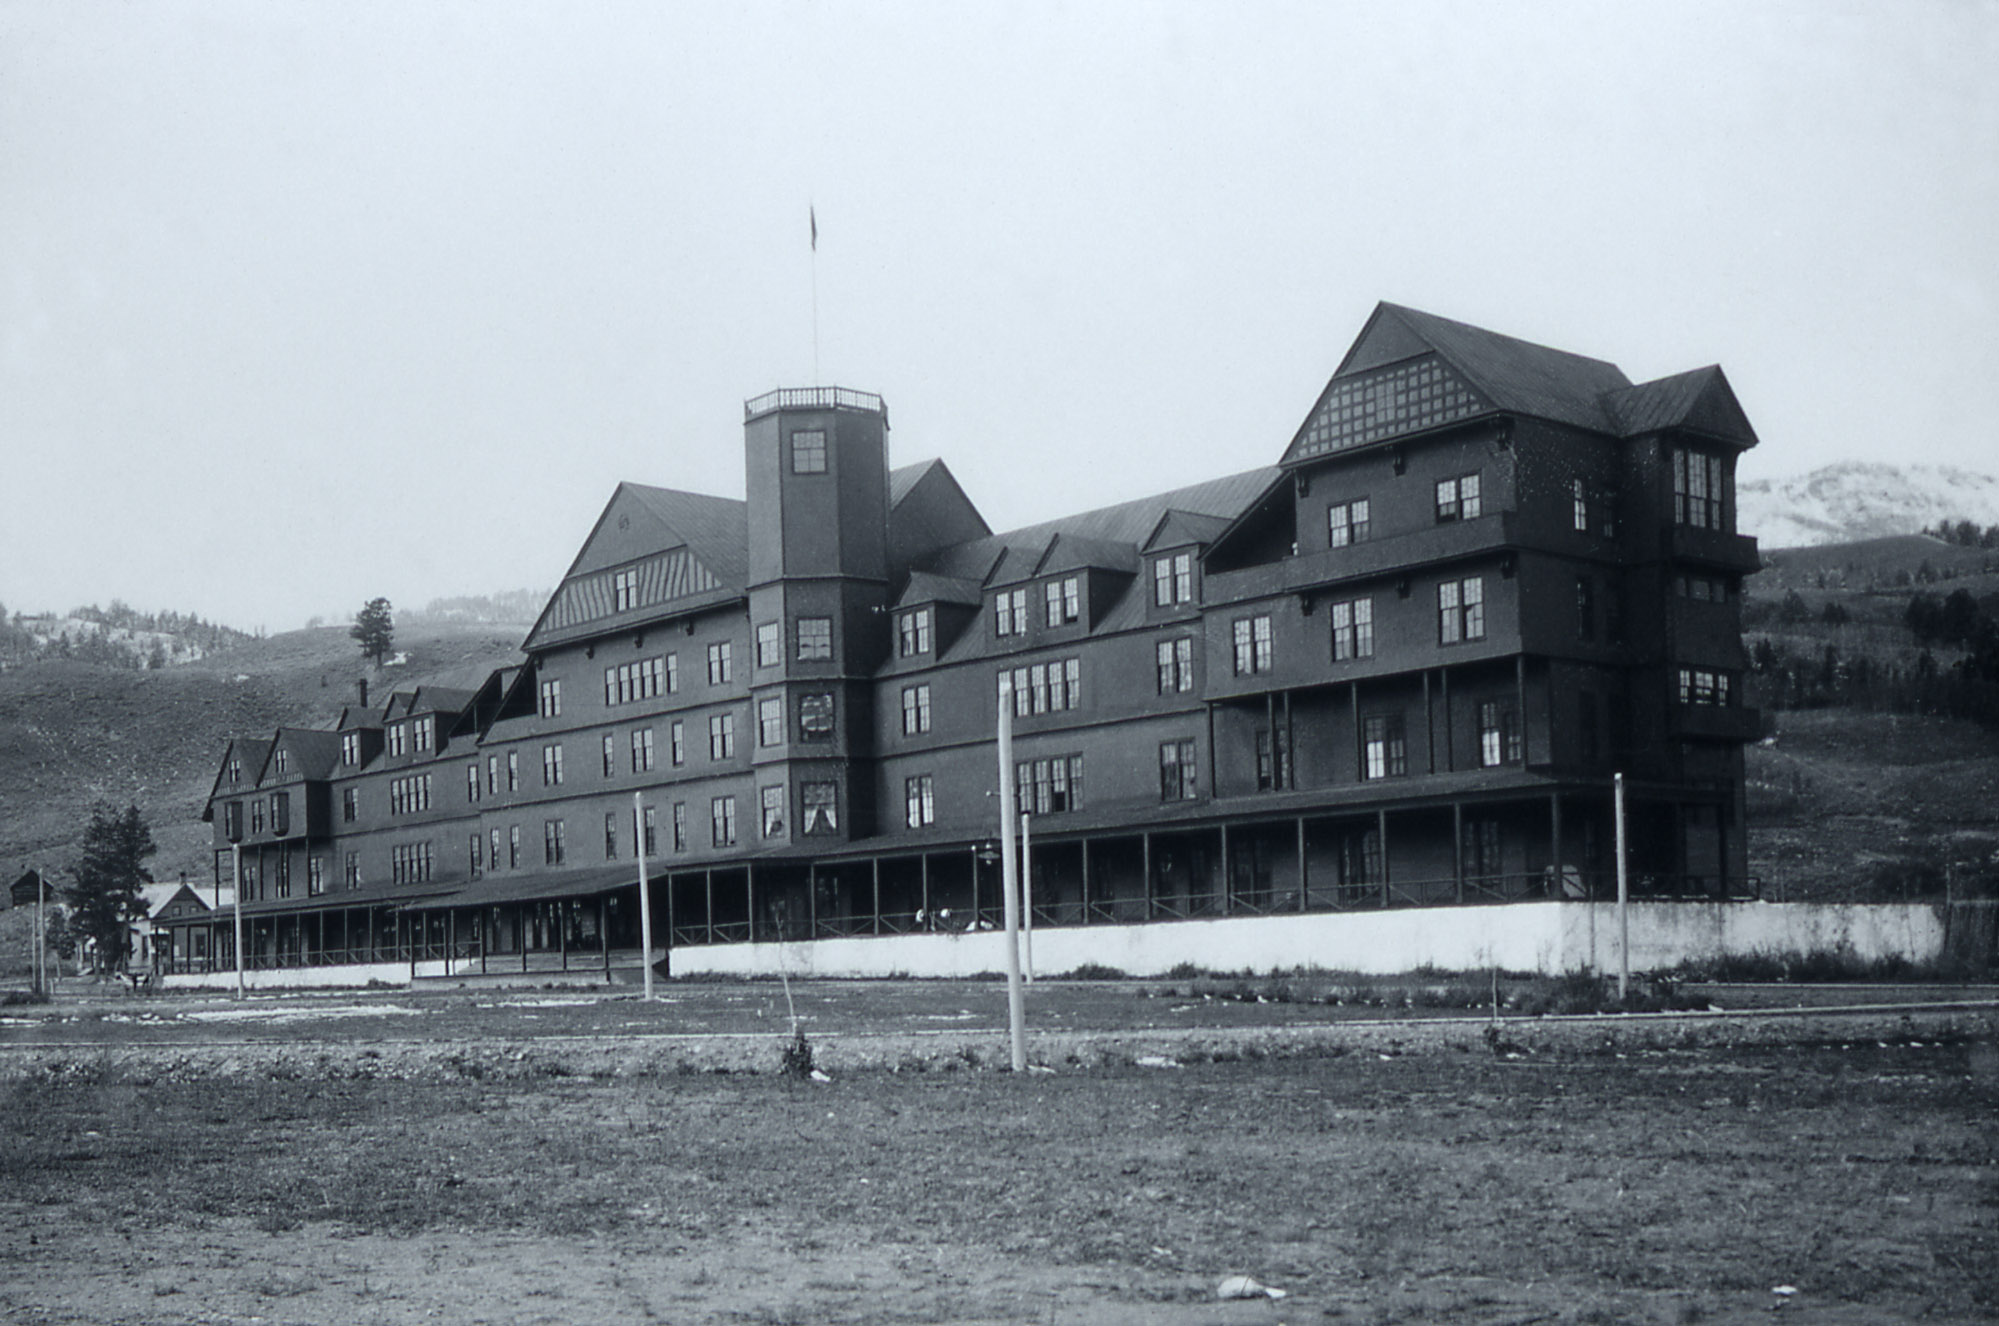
(1710, 547)
(1370, 558)
(1712, 722)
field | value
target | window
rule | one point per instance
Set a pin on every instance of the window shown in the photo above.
(1585, 608)
(610, 755)
(232, 819)
(281, 809)
(1579, 503)
(513, 771)
(475, 853)
(350, 870)
(1461, 610)
(1384, 748)
(819, 803)
(815, 638)
(256, 815)
(1703, 686)
(722, 821)
(472, 782)
(1458, 499)
(1051, 786)
(721, 736)
(492, 775)
(281, 762)
(770, 647)
(1173, 580)
(1353, 629)
(1063, 600)
(642, 755)
(551, 698)
(1179, 779)
(1347, 522)
(1703, 589)
(673, 672)
(1273, 759)
(553, 849)
(1252, 645)
(624, 590)
(350, 749)
(1010, 612)
(915, 710)
(808, 451)
(719, 669)
(680, 826)
(423, 733)
(651, 830)
(350, 809)
(912, 631)
(315, 875)
(919, 805)
(770, 721)
(815, 716)
(513, 847)
(410, 863)
(409, 795)
(1498, 734)
(399, 739)
(640, 680)
(770, 806)
(235, 769)
(676, 743)
(610, 835)
(493, 849)
(1042, 688)
(551, 765)
(1176, 665)
(1697, 489)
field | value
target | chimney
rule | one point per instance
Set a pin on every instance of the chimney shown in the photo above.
(361, 690)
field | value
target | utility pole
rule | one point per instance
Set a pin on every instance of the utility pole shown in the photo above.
(1016, 1014)
(1623, 901)
(236, 861)
(645, 893)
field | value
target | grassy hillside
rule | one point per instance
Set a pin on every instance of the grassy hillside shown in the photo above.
(72, 734)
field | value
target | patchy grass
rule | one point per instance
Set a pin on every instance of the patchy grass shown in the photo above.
(1646, 1185)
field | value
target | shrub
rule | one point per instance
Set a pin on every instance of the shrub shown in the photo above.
(1096, 971)
(796, 1060)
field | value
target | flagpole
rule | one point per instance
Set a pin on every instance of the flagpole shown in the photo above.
(812, 215)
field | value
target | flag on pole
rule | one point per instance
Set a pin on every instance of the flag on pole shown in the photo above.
(812, 213)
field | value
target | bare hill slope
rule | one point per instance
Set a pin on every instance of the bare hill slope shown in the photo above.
(73, 734)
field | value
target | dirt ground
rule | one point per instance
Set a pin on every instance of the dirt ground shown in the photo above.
(1649, 1171)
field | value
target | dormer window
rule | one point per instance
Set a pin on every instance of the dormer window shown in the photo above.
(350, 749)
(1010, 612)
(624, 591)
(399, 739)
(281, 762)
(808, 452)
(1064, 599)
(913, 633)
(424, 733)
(235, 770)
(1173, 579)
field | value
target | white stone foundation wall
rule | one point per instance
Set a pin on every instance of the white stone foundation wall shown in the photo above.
(1545, 937)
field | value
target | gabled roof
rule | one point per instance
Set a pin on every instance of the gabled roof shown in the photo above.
(1075, 552)
(928, 511)
(440, 699)
(923, 587)
(1128, 523)
(685, 551)
(251, 751)
(1699, 400)
(1514, 374)
(317, 750)
(1179, 529)
(1409, 371)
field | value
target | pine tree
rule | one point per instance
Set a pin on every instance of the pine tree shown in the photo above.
(375, 629)
(109, 872)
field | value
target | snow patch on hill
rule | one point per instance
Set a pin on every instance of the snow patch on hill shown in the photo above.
(1860, 500)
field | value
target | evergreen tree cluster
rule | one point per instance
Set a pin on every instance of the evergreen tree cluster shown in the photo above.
(1787, 677)
(1965, 533)
(103, 896)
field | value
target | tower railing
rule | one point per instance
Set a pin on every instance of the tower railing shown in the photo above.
(814, 398)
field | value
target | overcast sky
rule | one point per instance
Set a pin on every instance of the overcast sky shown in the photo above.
(304, 303)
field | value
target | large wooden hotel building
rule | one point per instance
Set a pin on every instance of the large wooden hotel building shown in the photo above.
(1398, 668)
